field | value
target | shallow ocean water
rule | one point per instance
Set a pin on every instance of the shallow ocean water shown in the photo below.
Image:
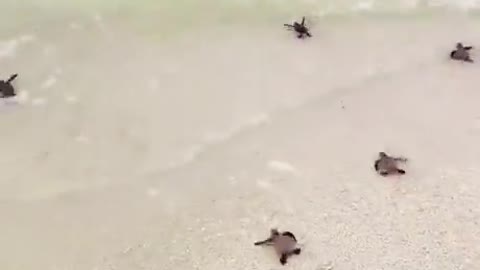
(172, 134)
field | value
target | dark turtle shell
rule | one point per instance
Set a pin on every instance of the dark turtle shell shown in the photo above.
(6, 89)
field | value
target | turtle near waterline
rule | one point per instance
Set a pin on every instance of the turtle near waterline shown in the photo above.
(6, 88)
(461, 53)
(300, 28)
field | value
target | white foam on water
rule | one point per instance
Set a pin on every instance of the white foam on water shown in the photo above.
(71, 99)
(281, 166)
(152, 192)
(27, 38)
(8, 48)
(75, 26)
(49, 82)
(215, 138)
(264, 184)
(39, 101)
(22, 96)
(365, 5)
(82, 139)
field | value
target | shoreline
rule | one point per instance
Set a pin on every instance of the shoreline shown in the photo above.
(232, 76)
(205, 142)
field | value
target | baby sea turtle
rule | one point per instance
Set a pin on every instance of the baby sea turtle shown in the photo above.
(386, 165)
(300, 28)
(461, 53)
(284, 244)
(6, 88)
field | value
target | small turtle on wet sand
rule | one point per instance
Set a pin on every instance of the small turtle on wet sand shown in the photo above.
(300, 28)
(386, 165)
(284, 244)
(461, 53)
(6, 88)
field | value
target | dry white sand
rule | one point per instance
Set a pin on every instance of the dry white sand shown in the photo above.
(127, 153)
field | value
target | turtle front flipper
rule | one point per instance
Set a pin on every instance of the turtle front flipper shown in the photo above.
(13, 77)
(290, 234)
(268, 241)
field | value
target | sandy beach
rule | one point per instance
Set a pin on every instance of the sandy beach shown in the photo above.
(130, 149)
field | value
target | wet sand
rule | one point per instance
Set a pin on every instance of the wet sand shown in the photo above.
(126, 152)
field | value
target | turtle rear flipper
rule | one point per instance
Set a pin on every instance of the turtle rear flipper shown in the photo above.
(284, 256)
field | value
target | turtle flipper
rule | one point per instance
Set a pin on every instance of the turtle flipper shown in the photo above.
(297, 251)
(383, 173)
(13, 77)
(268, 241)
(376, 165)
